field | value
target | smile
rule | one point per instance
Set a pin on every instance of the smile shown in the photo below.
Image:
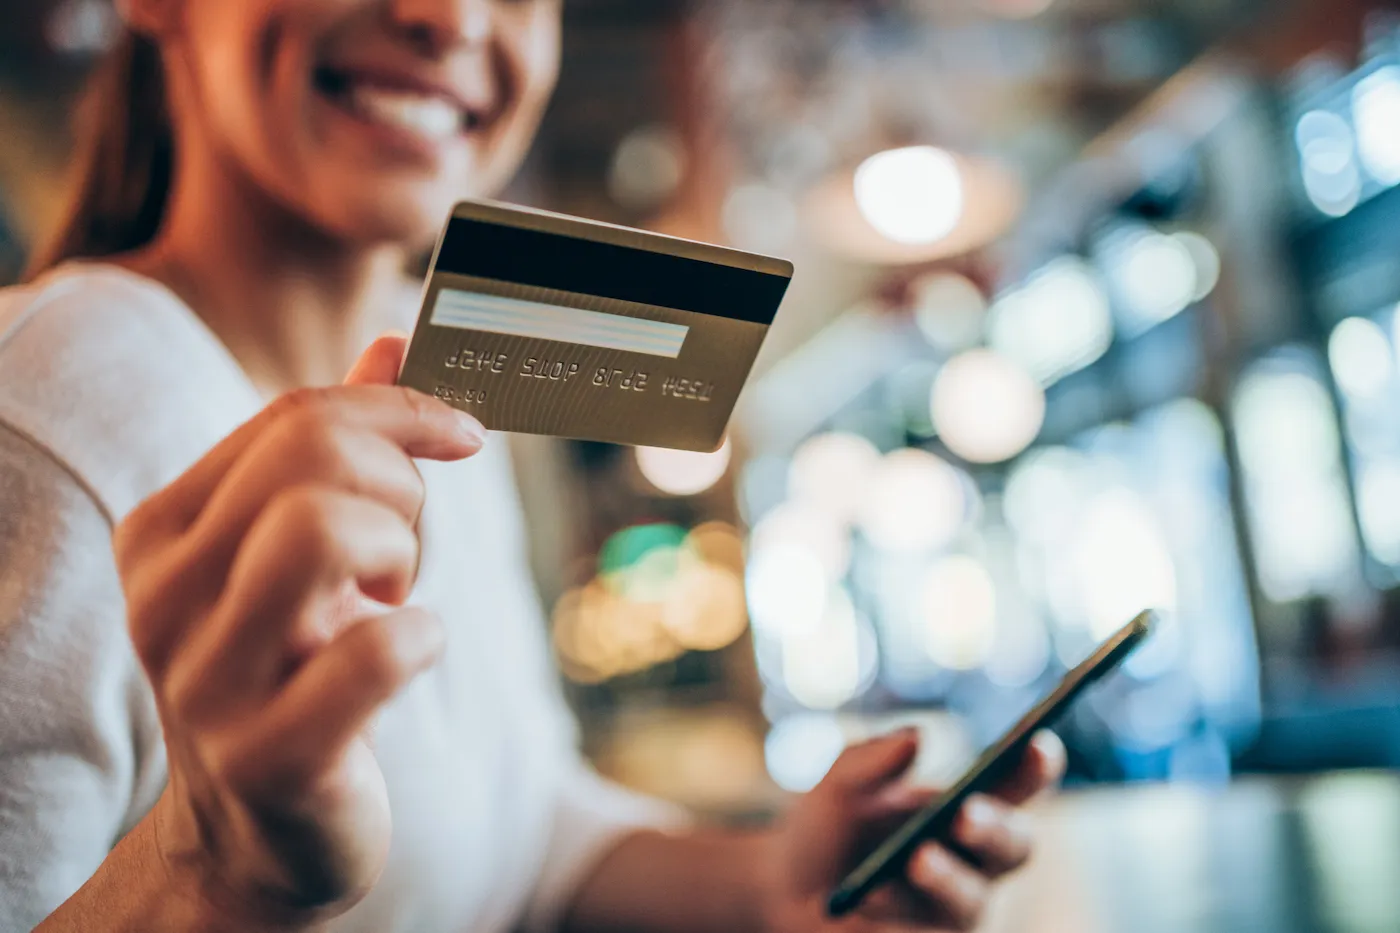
(408, 106)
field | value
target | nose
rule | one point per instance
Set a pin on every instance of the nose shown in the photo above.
(437, 26)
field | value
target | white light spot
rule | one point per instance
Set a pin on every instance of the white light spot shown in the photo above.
(986, 408)
(912, 195)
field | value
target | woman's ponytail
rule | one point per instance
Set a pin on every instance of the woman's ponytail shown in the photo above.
(123, 159)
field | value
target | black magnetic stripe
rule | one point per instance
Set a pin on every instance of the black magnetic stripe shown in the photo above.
(554, 261)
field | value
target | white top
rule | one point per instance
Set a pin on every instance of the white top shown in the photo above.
(110, 387)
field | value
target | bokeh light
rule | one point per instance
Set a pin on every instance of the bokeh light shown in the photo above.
(760, 218)
(647, 167)
(1022, 652)
(960, 609)
(1378, 508)
(600, 634)
(801, 748)
(683, 472)
(822, 666)
(1361, 357)
(1122, 561)
(1295, 488)
(718, 543)
(986, 408)
(1330, 172)
(1156, 276)
(1376, 108)
(914, 502)
(786, 589)
(831, 472)
(704, 609)
(799, 525)
(1206, 260)
(1057, 323)
(659, 592)
(1044, 493)
(912, 195)
(950, 311)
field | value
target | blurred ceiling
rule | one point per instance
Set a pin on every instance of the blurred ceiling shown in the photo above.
(801, 84)
(701, 99)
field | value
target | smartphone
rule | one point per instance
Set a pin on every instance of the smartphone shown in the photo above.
(996, 763)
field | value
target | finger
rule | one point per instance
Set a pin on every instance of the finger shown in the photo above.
(955, 889)
(866, 768)
(997, 836)
(380, 363)
(335, 695)
(422, 426)
(902, 906)
(1042, 766)
(288, 580)
(362, 439)
(296, 453)
(898, 800)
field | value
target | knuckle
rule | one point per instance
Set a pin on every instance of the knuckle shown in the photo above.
(179, 690)
(306, 517)
(132, 537)
(226, 762)
(300, 401)
(379, 663)
(139, 621)
(419, 409)
(322, 449)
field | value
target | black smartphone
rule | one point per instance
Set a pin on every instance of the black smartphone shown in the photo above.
(996, 763)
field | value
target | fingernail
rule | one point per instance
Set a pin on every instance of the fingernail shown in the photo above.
(936, 862)
(1052, 752)
(469, 429)
(979, 813)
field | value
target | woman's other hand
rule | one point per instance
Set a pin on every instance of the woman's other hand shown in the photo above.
(860, 802)
(251, 585)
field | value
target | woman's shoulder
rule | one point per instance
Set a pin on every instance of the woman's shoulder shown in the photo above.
(116, 379)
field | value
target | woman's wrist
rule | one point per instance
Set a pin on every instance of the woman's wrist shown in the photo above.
(138, 889)
(209, 886)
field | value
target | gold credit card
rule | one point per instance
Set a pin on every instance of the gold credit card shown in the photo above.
(545, 324)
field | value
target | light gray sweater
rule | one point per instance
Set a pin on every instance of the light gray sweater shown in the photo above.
(109, 388)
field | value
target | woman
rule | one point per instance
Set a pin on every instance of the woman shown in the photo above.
(222, 670)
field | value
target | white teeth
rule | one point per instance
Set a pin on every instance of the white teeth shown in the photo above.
(430, 117)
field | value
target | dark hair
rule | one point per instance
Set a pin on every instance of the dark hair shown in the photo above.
(123, 159)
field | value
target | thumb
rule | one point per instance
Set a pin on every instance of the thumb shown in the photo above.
(824, 830)
(866, 768)
(379, 364)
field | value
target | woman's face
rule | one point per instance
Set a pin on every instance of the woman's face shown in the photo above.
(367, 117)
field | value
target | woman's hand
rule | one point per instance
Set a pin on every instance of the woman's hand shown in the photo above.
(860, 803)
(248, 584)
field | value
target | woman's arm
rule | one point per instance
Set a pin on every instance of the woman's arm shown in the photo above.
(244, 586)
(692, 883)
(80, 749)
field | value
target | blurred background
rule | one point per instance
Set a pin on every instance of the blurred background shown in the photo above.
(1096, 309)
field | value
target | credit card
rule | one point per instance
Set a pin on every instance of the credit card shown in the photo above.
(540, 323)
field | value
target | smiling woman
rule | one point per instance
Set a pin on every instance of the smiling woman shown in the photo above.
(370, 132)
(230, 545)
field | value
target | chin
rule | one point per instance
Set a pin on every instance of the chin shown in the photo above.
(412, 222)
